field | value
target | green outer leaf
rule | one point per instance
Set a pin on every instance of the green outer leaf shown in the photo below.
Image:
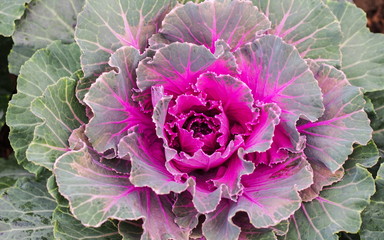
(373, 216)
(338, 208)
(46, 67)
(104, 26)
(26, 211)
(45, 21)
(367, 155)
(10, 171)
(306, 24)
(53, 190)
(362, 51)
(377, 117)
(68, 228)
(61, 114)
(10, 11)
(18, 56)
(130, 230)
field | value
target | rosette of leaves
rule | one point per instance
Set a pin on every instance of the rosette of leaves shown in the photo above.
(214, 120)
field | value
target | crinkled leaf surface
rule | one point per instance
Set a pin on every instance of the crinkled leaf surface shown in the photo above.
(110, 100)
(185, 212)
(373, 216)
(275, 72)
(322, 176)
(306, 24)
(262, 135)
(270, 195)
(26, 211)
(46, 67)
(362, 51)
(178, 65)
(330, 139)
(218, 224)
(68, 228)
(236, 22)
(11, 10)
(148, 163)
(61, 114)
(10, 171)
(104, 26)
(96, 193)
(338, 208)
(44, 22)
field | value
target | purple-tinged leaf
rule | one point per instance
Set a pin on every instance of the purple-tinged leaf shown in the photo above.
(96, 193)
(205, 199)
(186, 214)
(110, 100)
(148, 163)
(338, 208)
(279, 149)
(219, 224)
(322, 176)
(275, 72)
(235, 22)
(309, 25)
(77, 139)
(235, 96)
(61, 113)
(184, 161)
(270, 194)
(177, 66)
(229, 174)
(104, 26)
(261, 138)
(330, 139)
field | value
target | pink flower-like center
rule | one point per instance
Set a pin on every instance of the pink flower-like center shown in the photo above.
(200, 126)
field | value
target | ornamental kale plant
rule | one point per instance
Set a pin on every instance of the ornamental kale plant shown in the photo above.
(224, 119)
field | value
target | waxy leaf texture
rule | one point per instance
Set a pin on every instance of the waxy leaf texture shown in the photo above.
(216, 119)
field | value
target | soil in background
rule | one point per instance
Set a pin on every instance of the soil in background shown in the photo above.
(375, 14)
